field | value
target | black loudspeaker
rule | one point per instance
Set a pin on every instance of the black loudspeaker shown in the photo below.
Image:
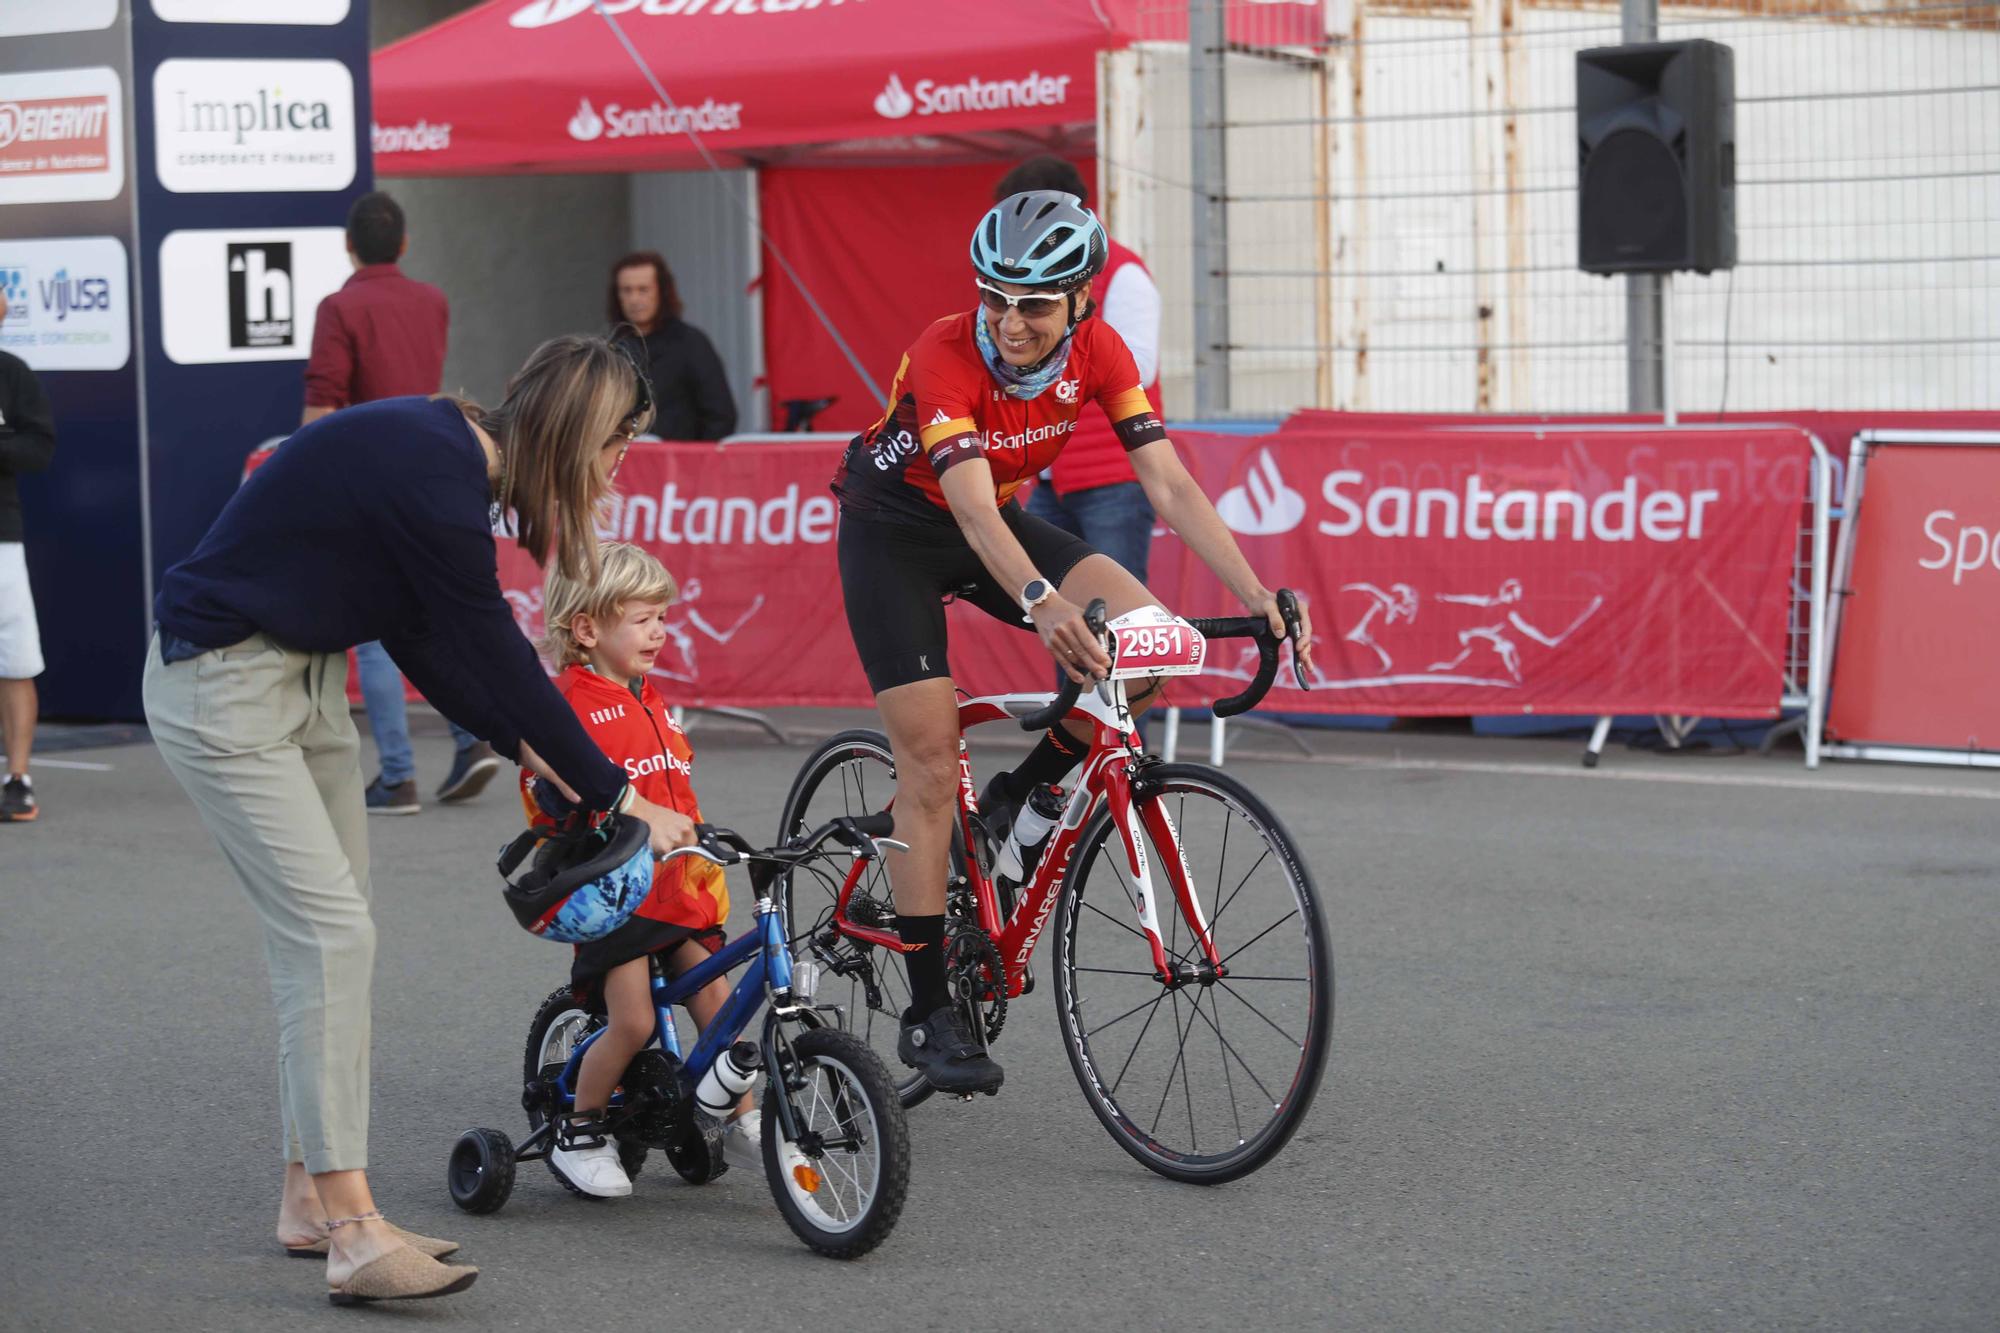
(1656, 158)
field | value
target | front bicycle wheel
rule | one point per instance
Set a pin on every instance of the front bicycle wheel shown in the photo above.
(1203, 1081)
(841, 1184)
(852, 773)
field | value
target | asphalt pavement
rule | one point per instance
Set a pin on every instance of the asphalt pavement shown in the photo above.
(1687, 1042)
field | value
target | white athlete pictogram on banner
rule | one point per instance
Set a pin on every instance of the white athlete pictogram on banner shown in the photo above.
(684, 642)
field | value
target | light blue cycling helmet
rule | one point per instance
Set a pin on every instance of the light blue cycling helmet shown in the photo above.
(583, 882)
(1040, 238)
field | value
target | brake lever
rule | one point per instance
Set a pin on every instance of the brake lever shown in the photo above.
(1288, 607)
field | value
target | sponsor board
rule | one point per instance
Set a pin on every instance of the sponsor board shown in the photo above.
(541, 13)
(422, 137)
(25, 18)
(68, 303)
(229, 126)
(246, 295)
(316, 12)
(62, 136)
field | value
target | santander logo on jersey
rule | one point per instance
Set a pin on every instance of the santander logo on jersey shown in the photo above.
(658, 763)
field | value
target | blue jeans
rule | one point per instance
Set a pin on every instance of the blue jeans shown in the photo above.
(1117, 520)
(389, 717)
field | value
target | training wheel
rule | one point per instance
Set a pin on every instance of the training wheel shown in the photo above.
(481, 1173)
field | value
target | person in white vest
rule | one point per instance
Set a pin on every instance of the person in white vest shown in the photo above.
(1091, 490)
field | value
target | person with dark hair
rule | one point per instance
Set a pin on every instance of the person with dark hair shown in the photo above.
(1091, 490)
(690, 388)
(382, 335)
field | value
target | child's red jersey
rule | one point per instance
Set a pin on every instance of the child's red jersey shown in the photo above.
(639, 734)
(945, 408)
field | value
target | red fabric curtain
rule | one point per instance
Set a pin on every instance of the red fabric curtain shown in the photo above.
(884, 253)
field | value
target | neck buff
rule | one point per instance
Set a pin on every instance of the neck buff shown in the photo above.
(1017, 381)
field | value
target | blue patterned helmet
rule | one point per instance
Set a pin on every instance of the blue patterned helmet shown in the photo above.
(1040, 238)
(583, 883)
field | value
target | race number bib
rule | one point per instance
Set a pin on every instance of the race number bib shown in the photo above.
(1149, 642)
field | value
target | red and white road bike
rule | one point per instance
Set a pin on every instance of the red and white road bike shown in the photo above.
(1193, 977)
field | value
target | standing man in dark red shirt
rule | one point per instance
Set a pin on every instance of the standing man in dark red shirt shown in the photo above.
(382, 335)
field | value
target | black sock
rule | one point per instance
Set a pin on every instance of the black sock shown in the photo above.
(928, 993)
(1050, 761)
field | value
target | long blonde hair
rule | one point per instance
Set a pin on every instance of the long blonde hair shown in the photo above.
(625, 573)
(572, 395)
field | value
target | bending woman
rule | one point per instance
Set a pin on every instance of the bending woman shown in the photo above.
(983, 401)
(375, 523)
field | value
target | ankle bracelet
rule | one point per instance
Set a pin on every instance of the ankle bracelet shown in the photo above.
(335, 1224)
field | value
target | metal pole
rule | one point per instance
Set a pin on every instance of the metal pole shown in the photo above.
(1639, 21)
(1207, 40)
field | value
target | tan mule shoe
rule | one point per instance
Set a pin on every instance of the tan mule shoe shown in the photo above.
(402, 1275)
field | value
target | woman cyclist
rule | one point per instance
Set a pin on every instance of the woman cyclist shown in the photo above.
(981, 403)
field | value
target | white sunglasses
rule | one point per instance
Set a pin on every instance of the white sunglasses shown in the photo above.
(1032, 306)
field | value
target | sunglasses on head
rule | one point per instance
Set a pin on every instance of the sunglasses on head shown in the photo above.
(1033, 306)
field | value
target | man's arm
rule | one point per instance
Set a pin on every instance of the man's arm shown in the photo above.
(28, 435)
(330, 367)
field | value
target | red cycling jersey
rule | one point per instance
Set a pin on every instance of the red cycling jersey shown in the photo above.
(944, 409)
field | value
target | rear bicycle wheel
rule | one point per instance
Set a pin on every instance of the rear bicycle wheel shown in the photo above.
(1205, 1081)
(852, 773)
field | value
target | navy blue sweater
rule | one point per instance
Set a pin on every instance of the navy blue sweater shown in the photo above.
(375, 523)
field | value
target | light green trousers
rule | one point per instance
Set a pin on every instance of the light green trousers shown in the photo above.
(261, 738)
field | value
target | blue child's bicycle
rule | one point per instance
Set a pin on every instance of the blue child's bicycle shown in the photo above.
(836, 1147)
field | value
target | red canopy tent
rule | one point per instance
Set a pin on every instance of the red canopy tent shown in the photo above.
(946, 91)
(547, 86)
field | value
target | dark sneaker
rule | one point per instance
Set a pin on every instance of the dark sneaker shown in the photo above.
(943, 1050)
(17, 802)
(400, 799)
(997, 809)
(471, 769)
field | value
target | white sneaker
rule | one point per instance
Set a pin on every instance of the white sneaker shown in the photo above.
(743, 1141)
(593, 1171)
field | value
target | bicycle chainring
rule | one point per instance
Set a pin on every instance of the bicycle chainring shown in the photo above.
(976, 974)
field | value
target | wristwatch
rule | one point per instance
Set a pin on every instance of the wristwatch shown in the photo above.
(1035, 593)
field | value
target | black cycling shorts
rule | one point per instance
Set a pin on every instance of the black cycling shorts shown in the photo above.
(895, 578)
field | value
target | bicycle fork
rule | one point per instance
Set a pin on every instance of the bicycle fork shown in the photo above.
(1135, 820)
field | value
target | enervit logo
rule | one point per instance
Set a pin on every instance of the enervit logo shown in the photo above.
(541, 13)
(246, 295)
(23, 18)
(1263, 505)
(932, 98)
(253, 125)
(316, 12)
(654, 121)
(260, 294)
(422, 137)
(61, 136)
(67, 307)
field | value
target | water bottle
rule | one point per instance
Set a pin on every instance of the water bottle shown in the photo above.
(1031, 827)
(728, 1079)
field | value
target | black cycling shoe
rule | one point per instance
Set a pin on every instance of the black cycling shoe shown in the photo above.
(943, 1050)
(997, 808)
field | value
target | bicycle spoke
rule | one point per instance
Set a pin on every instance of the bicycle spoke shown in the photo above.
(1266, 1017)
(1180, 1059)
(1116, 972)
(1237, 890)
(1260, 935)
(1100, 1031)
(1148, 1027)
(1228, 1083)
(1241, 976)
(1112, 919)
(1230, 1046)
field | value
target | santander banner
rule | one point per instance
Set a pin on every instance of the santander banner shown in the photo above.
(1921, 631)
(1449, 573)
(1567, 572)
